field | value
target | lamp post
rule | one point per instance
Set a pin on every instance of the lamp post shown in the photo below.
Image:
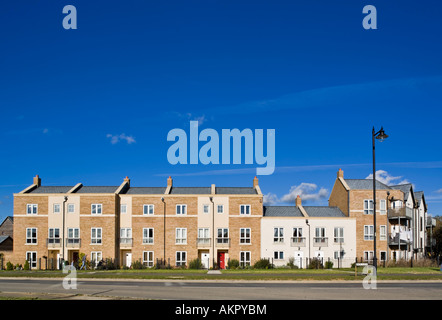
(213, 232)
(62, 253)
(164, 231)
(381, 136)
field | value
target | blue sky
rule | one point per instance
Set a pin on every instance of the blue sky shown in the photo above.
(94, 105)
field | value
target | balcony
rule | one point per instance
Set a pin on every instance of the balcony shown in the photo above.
(401, 238)
(73, 242)
(297, 242)
(53, 242)
(203, 242)
(320, 242)
(126, 242)
(431, 222)
(223, 242)
(403, 212)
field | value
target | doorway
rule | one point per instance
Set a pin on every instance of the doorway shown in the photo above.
(222, 260)
(205, 260)
(299, 255)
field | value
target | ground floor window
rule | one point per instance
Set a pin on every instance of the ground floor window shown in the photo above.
(31, 257)
(278, 255)
(383, 255)
(148, 258)
(96, 257)
(368, 256)
(181, 258)
(244, 258)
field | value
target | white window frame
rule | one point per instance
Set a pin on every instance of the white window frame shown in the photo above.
(338, 235)
(204, 236)
(180, 235)
(206, 208)
(52, 235)
(245, 235)
(71, 207)
(245, 258)
(148, 235)
(368, 232)
(96, 256)
(320, 235)
(383, 207)
(367, 255)
(56, 208)
(123, 211)
(31, 208)
(30, 238)
(97, 207)
(380, 255)
(98, 237)
(32, 257)
(278, 255)
(368, 206)
(181, 209)
(218, 207)
(125, 233)
(383, 232)
(278, 235)
(148, 209)
(224, 238)
(245, 209)
(180, 258)
(148, 259)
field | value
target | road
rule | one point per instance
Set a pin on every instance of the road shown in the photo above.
(224, 290)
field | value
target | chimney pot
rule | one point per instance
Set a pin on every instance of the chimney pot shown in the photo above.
(169, 181)
(255, 182)
(340, 174)
(298, 201)
(37, 180)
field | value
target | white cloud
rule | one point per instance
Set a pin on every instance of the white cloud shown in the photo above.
(386, 178)
(306, 191)
(122, 137)
(270, 199)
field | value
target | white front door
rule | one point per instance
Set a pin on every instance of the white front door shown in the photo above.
(205, 260)
(299, 255)
(128, 259)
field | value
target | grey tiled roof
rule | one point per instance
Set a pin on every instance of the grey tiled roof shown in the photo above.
(190, 190)
(282, 211)
(235, 190)
(317, 211)
(405, 188)
(51, 189)
(3, 238)
(365, 184)
(96, 189)
(146, 190)
(418, 195)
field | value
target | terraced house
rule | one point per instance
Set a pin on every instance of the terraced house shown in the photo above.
(175, 225)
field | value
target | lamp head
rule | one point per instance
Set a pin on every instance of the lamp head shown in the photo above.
(381, 136)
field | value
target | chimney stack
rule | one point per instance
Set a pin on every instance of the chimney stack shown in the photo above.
(255, 182)
(340, 174)
(169, 181)
(37, 181)
(298, 201)
(127, 180)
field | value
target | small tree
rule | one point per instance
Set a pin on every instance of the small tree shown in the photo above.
(26, 266)
(9, 266)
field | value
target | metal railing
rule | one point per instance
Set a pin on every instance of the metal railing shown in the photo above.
(53, 242)
(223, 242)
(320, 242)
(203, 242)
(73, 242)
(403, 212)
(297, 242)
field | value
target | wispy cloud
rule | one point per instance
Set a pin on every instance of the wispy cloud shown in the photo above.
(121, 137)
(308, 192)
(386, 178)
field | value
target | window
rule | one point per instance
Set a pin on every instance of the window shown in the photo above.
(203, 236)
(383, 206)
(181, 257)
(54, 236)
(123, 208)
(31, 257)
(244, 235)
(56, 208)
(73, 236)
(383, 232)
(31, 235)
(368, 206)
(96, 208)
(244, 258)
(126, 235)
(220, 208)
(181, 236)
(339, 235)
(383, 255)
(244, 209)
(368, 232)
(206, 208)
(339, 254)
(278, 234)
(96, 257)
(368, 256)
(320, 235)
(181, 209)
(95, 235)
(32, 209)
(223, 235)
(297, 235)
(397, 204)
(278, 255)
(71, 208)
(148, 259)
(147, 235)
(148, 209)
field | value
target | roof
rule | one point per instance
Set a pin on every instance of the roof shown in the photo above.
(317, 211)
(3, 238)
(145, 190)
(96, 189)
(406, 189)
(282, 211)
(51, 189)
(364, 184)
(7, 218)
(190, 190)
(235, 190)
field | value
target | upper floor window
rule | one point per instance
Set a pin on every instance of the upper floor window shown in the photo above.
(96, 235)
(32, 209)
(220, 208)
(383, 206)
(244, 235)
(123, 208)
(278, 234)
(368, 206)
(31, 235)
(96, 208)
(148, 209)
(244, 209)
(56, 208)
(206, 208)
(338, 235)
(71, 208)
(181, 209)
(368, 232)
(181, 236)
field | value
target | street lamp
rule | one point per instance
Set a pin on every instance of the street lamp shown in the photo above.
(381, 136)
(62, 253)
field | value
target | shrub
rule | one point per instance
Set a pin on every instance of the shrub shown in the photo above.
(262, 264)
(137, 265)
(26, 266)
(195, 264)
(329, 265)
(315, 263)
(9, 266)
(233, 264)
(291, 263)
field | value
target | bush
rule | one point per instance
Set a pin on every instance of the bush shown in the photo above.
(315, 263)
(233, 264)
(26, 266)
(137, 265)
(329, 265)
(262, 264)
(291, 263)
(9, 266)
(195, 264)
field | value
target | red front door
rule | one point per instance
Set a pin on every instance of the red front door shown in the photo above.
(221, 260)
